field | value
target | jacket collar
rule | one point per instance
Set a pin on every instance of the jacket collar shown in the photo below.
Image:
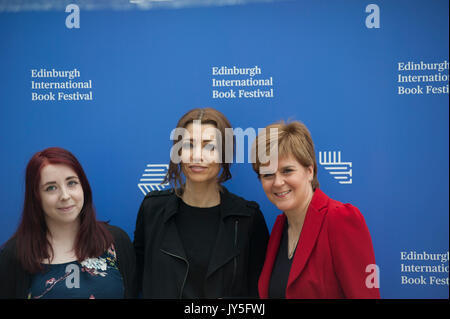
(230, 205)
(310, 231)
(171, 207)
(308, 236)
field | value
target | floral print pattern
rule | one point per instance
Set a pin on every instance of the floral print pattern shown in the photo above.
(97, 267)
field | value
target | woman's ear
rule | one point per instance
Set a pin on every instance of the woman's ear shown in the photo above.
(310, 170)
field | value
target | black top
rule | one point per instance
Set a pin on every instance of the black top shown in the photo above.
(16, 282)
(281, 268)
(198, 231)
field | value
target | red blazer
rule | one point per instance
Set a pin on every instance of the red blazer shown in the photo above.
(332, 253)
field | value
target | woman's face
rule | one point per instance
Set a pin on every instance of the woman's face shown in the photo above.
(61, 194)
(289, 188)
(200, 155)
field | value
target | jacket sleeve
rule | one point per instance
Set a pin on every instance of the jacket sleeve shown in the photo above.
(259, 238)
(139, 245)
(7, 271)
(352, 251)
(127, 260)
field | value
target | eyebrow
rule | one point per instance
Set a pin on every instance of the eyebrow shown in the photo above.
(283, 168)
(53, 182)
(203, 141)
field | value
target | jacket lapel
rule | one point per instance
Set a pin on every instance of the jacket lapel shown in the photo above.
(308, 236)
(225, 247)
(171, 241)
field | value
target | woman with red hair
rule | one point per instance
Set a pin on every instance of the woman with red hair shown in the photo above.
(60, 250)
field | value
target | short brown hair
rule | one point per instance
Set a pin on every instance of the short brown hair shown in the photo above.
(205, 116)
(293, 139)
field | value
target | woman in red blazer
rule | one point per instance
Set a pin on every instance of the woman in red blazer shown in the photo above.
(319, 247)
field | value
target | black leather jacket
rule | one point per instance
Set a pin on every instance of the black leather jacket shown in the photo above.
(236, 261)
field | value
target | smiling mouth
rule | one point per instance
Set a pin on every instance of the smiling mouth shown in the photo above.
(197, 169)
(66, 209)
(282, 194)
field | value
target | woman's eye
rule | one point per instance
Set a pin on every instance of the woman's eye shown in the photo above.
(50, 188)
(210, 147)
(267, 176)
(72, 183)
(287, 171)
(187, 145)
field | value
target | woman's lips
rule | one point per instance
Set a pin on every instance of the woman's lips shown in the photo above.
(66, 209)
(282, 194)
(197, 169)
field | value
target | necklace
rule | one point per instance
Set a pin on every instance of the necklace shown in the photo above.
(294, 246)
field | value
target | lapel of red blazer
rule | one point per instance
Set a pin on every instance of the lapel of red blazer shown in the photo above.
(271, 255)
(308, 236)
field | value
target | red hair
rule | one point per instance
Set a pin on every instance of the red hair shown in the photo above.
(92, 240)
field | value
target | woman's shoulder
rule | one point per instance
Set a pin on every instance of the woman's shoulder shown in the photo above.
(12, 276)
(154, 205)
(241, 201)
(343, 214)
(160, 193)
(158, 197)
(155, 201)
(8, 249)
(237, 205)
(8, 255)
(121, 240)
(117, 232)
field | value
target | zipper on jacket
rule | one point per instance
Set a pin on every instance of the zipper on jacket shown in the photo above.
(187, 270)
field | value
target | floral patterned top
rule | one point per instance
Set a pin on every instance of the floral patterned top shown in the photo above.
(93, 278)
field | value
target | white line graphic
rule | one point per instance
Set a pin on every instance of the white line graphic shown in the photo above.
(153, 177)
(341, 171)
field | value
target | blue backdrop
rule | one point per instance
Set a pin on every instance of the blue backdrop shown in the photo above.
(335, 65)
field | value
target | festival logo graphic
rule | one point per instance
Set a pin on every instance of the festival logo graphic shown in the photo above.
(153, 177)
(341, 171)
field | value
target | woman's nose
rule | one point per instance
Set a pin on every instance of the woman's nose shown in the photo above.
(279, 180)
(197, 154)
(64, 194)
